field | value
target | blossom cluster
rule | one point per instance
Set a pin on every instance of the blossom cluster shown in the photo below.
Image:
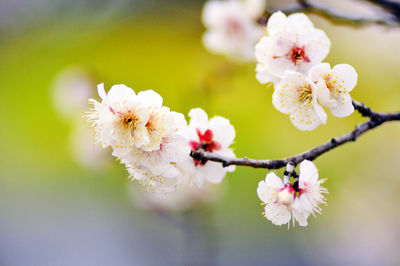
(290, 56)
(286, 201)
(154, 142)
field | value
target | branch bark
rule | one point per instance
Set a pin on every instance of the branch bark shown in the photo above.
(334, 16)
(375, 119)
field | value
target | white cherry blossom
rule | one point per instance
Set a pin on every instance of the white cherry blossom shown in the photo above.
(285, 202)
(120, 119)
(215, 136)
(297, 96)
(71, 90)
(334, 86)
(279, 199)
(232, 28)
(291, 43)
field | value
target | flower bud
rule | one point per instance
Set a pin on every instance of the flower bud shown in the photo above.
(286, 195)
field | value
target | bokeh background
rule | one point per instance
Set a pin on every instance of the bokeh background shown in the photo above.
(56, 210)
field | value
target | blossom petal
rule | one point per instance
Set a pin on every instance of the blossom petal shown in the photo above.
(273, 181)
(300, 216)
(308, 172)
(211, 13)
(265, 76)
(306, 119)
(267, 189)
(223, 131)
(324, 95)
(199, 118)
(345, 106)
(275, 22)
(318, 71)
(150, 98)
(321, 114)
(214, 172)
(300, 20)
(277, 214)
(347, 74)
(120, 92)
(101, 91)
(141, 137)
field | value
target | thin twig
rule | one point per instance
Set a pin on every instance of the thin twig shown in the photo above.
(392, 7)
(337, 18)
(376, 119)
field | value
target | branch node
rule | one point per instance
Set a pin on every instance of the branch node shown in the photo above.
(354, 134)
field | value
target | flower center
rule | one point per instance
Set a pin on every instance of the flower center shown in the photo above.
(304, 95)
(298, 55)
(333, 85)
(233, 27)
(128, 120)
(205, 143)
(286, 195)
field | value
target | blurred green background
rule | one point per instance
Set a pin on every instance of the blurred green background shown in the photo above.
(55, 212)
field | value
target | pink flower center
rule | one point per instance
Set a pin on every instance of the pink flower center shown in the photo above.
(286, 195)
(205, 143)
(298, 55)
(233, 27)
(128, 120)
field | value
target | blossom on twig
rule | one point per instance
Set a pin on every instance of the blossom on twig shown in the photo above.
(291, 43)
(285, 202)
(214, 136)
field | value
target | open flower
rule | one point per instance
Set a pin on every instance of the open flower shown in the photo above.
(297, 96)
(71, 90)
(278, 199)
(285, 202)
(120, 119)
(214, 136)
(232, 28)
(156, 169)
(144, 135)
(333, 87)
(292, 43)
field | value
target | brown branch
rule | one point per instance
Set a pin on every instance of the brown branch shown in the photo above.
(307, 6)
(376, 119)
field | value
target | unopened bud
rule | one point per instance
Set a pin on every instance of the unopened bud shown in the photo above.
(286, 195)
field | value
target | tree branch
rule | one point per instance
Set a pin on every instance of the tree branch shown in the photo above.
(307, 6)
(376, 119)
